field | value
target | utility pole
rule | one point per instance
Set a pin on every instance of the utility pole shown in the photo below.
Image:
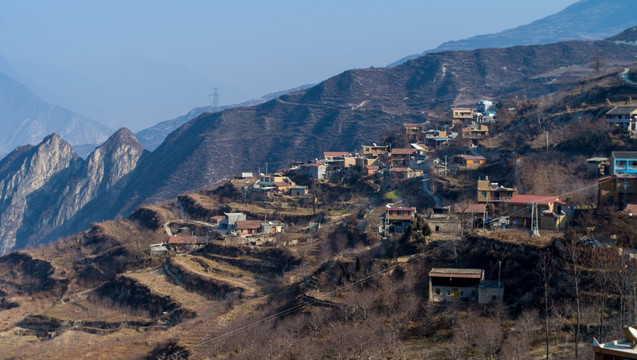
(535, 226)
(499, 272)
(215, 99)
(445, 165)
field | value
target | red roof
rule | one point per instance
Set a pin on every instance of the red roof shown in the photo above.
(471, 157)
(530, 199)
(630, 210)
(247, 224)
(412, 126)
(182, 240)
(280, 184)
(398, 169)
(470, 209)
(327, 154)
(408, 151)
(217, 217)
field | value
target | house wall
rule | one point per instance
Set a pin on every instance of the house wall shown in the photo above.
(490, 295)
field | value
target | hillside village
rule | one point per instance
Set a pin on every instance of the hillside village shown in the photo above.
(497, 229)
(430, 183)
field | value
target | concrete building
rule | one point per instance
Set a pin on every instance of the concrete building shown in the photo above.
(623, 162)
(624, 117)
(448, 284)
(552, 212)
(492, 192)
(452, 284)
(397, 219)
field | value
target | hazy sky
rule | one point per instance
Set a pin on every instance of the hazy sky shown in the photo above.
(136, 63)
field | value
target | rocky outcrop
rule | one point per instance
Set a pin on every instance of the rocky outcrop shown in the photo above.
(45, 187)
(23, 173)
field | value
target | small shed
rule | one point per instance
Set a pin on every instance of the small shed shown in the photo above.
(451, 284)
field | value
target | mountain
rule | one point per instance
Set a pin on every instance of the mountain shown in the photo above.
(584, 20)
(339, 114)
(26, 119)
(46, 185)
(153, 136)
(353, 108)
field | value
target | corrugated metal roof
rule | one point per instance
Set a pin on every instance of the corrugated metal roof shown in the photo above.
(530, 199)
(247, 224)
(457, 273)
(622, 110)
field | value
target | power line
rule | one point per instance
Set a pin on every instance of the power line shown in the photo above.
(310, 302)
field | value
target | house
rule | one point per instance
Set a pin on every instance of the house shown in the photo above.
(468, 161)
(491, 192)
(298, 190)
(397, 219)
(624, 117)
(400, 157)
(231, 219)
(412, 129)
(486, 108)
(185, 243)
(475, 131)
(474, 210)
(374, 151)
(316, 171)
(436, 137)
(216, 220)
(460, 115)
(453, 284)
(272, 227)
(247, 227)
(623, 162)
(618, 189)
(275, 182)
(421, 150)
(244, 175)
(448, 284)
(598, 165)
(334, 155)
(403, 173)
(552, 212)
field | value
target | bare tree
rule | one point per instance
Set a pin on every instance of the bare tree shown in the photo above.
(598, 63)
(573, 255)
(544, 273)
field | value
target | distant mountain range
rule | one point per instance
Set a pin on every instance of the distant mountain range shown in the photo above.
(584, 20)
(26, 119)
(153, 136)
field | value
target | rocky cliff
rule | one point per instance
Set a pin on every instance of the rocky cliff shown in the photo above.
(45, 186)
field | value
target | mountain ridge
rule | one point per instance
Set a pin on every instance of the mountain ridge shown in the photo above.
(26, 119)
(583, 20)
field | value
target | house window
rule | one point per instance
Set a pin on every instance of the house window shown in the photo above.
(437, 228)
(514, 207)
(484, 194)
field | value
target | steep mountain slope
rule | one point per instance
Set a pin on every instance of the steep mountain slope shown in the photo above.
(347, 110)
(44, 186)
(584, 20)
(26, 119)
(153, 136)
